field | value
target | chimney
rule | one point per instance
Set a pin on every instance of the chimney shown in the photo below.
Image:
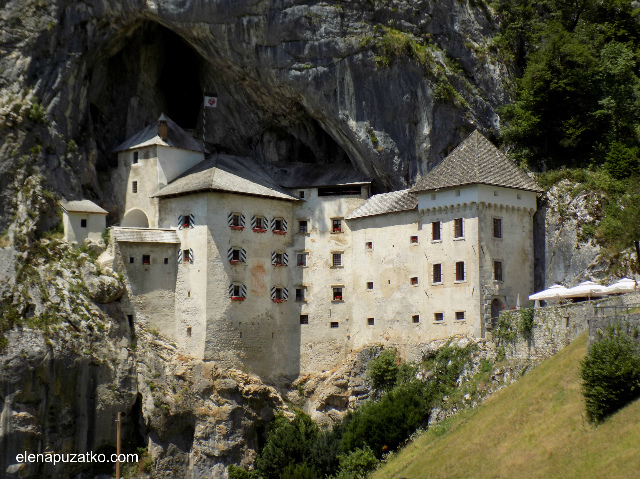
(163, 132)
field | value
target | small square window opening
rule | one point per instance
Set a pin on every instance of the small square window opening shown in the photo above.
(83, 223)
(438, 317)
(371, 321)
(131, 260)
(334, 324)
(370, 285)
(166, 260)
(304, 319)
(146, 259)
(368, 245)
(414, 240)
(460, 315)
(415, 318)
(414, 281)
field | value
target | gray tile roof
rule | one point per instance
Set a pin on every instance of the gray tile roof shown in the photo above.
(176, 137)
(144, 235)
(227, 173)
(82, 206)
(300, 175)
(402, 200)
(476, 160)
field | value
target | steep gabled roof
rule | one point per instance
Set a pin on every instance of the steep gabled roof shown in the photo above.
(82, 206)
(226, 173)
(474, 161)
(176, 137)
(402, 200)
(310, 175)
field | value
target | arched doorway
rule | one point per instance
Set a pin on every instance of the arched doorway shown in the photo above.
(496, 307)
(135, 218)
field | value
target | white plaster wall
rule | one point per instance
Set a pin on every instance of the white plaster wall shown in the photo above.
(476, 194)
(73, 232)
(172, 162)
(323, 347)
(145, 173)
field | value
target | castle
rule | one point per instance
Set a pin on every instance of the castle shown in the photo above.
(285, 270)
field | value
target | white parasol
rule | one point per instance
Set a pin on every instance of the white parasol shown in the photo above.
(625, 285)
(553, 292)
(586, 289)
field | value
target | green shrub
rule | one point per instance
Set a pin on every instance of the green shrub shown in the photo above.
(622, 161)
(37, 113)
(610, 375)
(356, 464)
(236, 472)
(383, 370)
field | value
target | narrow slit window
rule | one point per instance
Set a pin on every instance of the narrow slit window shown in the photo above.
(497, 227)
(136, 157)
(131, 260)
(301, 194)
(83, 223)
(497, 270)
(188, 332)
(166, 260)
(460, 271)
(437, 273)
(134, 187)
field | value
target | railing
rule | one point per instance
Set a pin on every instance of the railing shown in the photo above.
(617, 310)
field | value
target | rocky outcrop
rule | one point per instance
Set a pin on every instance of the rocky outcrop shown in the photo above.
(390, 86)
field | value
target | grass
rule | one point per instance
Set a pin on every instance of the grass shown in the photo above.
(536, 428)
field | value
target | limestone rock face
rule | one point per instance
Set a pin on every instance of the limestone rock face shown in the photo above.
(390, 86)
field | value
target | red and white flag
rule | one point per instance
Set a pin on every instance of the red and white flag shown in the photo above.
(210, 101)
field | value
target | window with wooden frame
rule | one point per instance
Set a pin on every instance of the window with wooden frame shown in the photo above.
(337, 293)
(302, 259)
(497, 270)
(336, 225)
(497, 227)
(460, 272)
(186, 221)
(279, 258)
(437, 273)
(258, 224)
(236, 221)
(279, 294)
(303, 226)
(435, 231)
(279, 226)
(237, 292)
(236, 255)
(458, 228)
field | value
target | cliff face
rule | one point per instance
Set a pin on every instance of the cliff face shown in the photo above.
(390, 86)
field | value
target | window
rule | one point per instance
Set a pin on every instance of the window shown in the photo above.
(495, 192)
(304, 319)
(336, 226)
(457, 192)
(460, 315)
(187, 256)
(333, 324)
(146, 259)
(277, 259)
(518, 196)
(258, 224)
(437, 273)
(371, 321)
(340, 191)
(279, 294)
(414, 281)
(135, 157)
(438, 317)
(435, 231)
(236, 221)
(459, 270)
(497, 270)
(368, 245)
(337, 293)
(83, 223)
(235, 255)
(415, 318)
(301, 194)
(188, 332)
(301, 294)
(336, 259)
(433, 196)
(237, 292)
(166, 260)
(414, 240)
(370, 285)
(458, 232)
(497, 227)
(302, 226)
(302, 259)
(134, 187)
(279, 226)
(186, 221)
(131, 260)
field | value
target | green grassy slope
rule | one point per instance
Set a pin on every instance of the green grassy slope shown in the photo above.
(534, 428)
